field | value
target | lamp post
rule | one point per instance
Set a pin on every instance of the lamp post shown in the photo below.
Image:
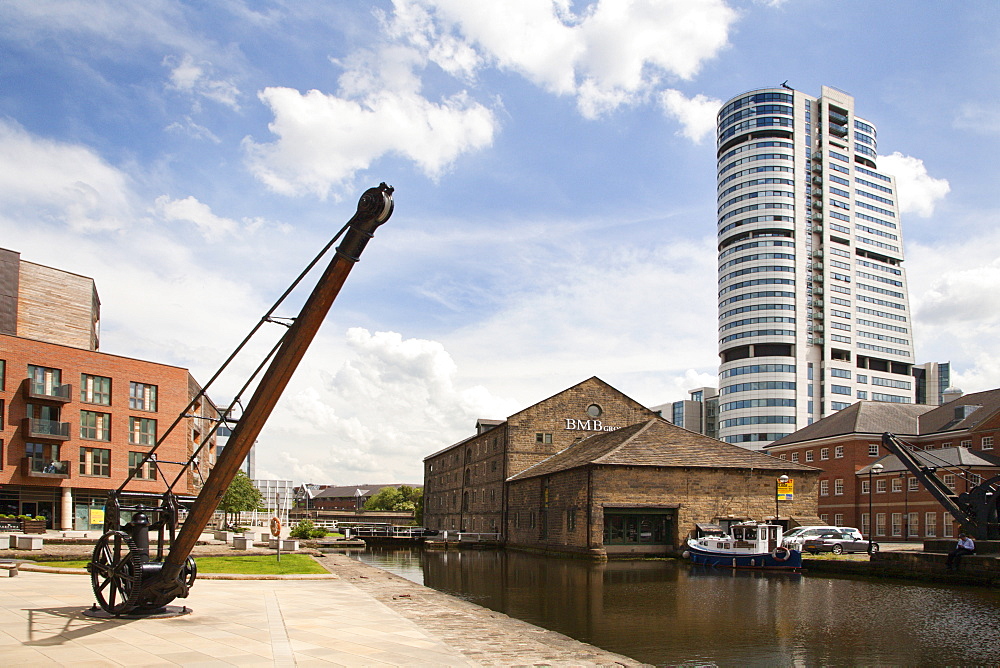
(876, 469)
(781, 480)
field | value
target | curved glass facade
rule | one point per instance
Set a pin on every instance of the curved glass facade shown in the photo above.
(809, 248)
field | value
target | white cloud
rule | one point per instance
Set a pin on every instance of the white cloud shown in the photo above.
(323, 140)
(391, 402)
(919, 192)
(211, 226)
(56, 181)
(614, 52)
(696, 114)
(956, 306)
(188, 76)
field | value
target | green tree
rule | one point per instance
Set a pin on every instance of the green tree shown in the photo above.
(241, 496)
(400, 499)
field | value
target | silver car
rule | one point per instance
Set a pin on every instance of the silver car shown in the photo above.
(837, 542)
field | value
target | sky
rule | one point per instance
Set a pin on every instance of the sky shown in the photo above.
(553, 164)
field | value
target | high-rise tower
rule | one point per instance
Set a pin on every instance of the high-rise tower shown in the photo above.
(813, 306)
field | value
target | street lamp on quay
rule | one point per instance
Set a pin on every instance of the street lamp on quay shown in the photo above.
(781, 480)
(876, 469)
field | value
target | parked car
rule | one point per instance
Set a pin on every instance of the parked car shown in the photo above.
(837, 542)
(794, 538)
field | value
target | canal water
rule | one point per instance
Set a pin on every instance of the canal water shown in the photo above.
(673, 613)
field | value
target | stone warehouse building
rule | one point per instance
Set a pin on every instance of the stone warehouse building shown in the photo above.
(74, 421)
(590, 471)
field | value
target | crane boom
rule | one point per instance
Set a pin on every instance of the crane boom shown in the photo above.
(976, 511)
(124, 578)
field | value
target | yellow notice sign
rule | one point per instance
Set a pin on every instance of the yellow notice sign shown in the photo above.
(97, 515)
(786, 490)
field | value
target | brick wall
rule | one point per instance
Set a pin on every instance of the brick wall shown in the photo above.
(174, 386)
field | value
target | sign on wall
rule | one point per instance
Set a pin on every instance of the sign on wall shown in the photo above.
(786, 490)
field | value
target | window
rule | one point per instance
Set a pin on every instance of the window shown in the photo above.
(543, 438)
(95, 426)
(838, 520)
(879, 524)
(824, 453)
(949, 481)
(838, 487)
(912, 484)
(44, 458)
(987, 443)
(824, 488)
(897, 524)
(947, 527)
(966, 443)
(142, 397)
(782, 456)
(795, 456)
(824, 518)
(930, 525)
(141, 431)
(95, 461)
(912, 525)
(838, 452)
(840, 389)
(2, 413)
(863, 394)
(571, 519)
(809, 455)
(3, 373)
(95, 389)
(866, 524)
(897, 484)
(880, 486)
(46, 381)
(873, 449)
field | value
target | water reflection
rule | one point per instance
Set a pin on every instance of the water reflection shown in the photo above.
(672, 613)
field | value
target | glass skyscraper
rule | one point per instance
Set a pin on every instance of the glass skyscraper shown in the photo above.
(814, 312)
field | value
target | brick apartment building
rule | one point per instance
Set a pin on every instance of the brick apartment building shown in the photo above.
(956, 438)
(74, 421)
(593, 472)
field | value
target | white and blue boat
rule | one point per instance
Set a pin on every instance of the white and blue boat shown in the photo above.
(748, 546)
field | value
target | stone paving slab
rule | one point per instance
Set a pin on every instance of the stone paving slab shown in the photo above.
(363, 617)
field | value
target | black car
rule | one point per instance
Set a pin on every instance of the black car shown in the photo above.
(836, 542)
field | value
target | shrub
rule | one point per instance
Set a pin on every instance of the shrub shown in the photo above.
(303, 529)
(318, 532)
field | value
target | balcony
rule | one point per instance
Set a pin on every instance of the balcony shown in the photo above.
(61, 393)
(839, 119)
(35, 467)
(838, 131)
(817, 156)
(48, 430)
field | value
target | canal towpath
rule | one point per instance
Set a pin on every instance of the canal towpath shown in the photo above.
(358, 616)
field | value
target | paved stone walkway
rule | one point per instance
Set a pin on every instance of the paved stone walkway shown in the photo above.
(363, 617)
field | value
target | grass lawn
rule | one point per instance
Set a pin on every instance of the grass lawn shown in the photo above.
(291, 564)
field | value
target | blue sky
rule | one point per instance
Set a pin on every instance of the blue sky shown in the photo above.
(553, 164)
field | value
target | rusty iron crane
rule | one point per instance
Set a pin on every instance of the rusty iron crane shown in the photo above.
(976, 510)
(126, 579)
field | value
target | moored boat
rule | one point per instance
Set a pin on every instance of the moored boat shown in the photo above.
(748, 546)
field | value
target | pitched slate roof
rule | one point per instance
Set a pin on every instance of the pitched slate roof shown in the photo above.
(939, 458)
(945, 418)
(656, 442)
(863, 417)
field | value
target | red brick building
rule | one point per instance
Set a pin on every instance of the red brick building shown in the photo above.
(75, 421)
(957, 438)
